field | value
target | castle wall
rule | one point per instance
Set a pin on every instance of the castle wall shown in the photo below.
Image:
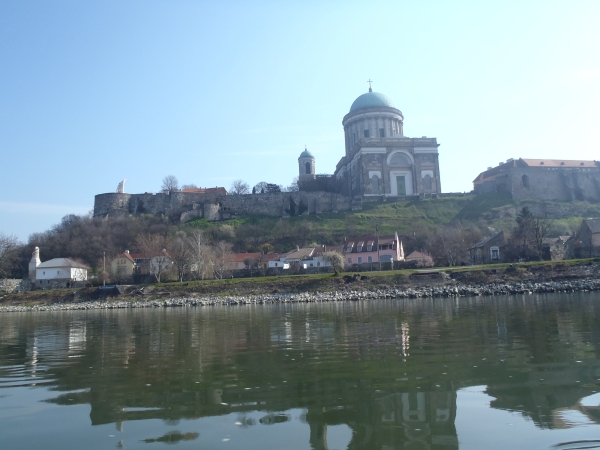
(183, 207)
(551, 184)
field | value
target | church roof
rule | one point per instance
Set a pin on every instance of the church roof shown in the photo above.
(371, 100)
(306, 154)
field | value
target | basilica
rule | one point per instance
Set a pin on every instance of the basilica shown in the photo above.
(379, 159)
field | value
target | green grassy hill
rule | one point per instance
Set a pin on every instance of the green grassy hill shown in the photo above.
(413, 219)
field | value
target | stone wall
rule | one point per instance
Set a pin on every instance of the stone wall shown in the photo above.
(559, 184)
(184, 206)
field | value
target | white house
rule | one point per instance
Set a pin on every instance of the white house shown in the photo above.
(301, 257)
(56, 271)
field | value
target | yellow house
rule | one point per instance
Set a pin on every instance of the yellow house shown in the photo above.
(123, 266)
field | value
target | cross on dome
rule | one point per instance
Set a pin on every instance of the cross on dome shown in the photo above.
(370, 81)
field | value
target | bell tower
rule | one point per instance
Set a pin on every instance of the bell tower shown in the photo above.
(306, 166)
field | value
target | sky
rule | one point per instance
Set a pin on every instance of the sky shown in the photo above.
(92, 92)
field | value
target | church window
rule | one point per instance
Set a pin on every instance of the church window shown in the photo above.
(308, 168)
(525, 179)
(366, 133)
(375, 184)
(427, 183)
(400, 159)
(382, 132)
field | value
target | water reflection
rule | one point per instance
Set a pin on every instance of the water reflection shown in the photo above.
(364, 375)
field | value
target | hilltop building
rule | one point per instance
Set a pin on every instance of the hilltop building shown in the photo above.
(542, 179)
(379, 159)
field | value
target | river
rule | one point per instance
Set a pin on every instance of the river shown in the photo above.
(510, 372)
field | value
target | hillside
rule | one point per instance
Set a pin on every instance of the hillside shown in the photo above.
(416, 220)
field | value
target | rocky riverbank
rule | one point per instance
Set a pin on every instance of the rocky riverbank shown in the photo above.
(442, 291)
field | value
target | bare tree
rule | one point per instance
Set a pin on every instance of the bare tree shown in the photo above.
(452, 243)
(336, 259)
(189, 186)
(9, 251)
(239, 187)
(170, 184)
(153, 247)
(539, 232)
(202, 254)
(181, 254)
(293, 186)
(222, 250)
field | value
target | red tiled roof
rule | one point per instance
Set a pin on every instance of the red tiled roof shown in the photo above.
(241, 257)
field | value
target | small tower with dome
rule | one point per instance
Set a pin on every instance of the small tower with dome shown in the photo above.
(306, 166)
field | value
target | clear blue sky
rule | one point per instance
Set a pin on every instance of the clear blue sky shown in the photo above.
(92, 92)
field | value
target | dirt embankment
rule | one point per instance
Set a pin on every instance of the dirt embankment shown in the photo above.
(542, 272)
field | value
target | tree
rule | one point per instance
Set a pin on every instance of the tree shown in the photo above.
(239, 187)
(336, 259)
(293, 186)
(540, 230)
(261, 187)
(272, 188)
(189, 186)
(170, 184)
(523, 233)
(222, 250)
(202, 254)
(181, 254)
(153, 247)
(451, 244)
(9, 251)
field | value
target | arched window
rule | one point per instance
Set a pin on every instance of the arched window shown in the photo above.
(308, 168)
(375, 184)
(427, 185)
(525, 179)
(400, 159)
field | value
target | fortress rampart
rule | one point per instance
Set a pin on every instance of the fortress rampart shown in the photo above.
(185, 206)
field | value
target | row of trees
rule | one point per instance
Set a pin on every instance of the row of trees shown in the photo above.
(238, 187)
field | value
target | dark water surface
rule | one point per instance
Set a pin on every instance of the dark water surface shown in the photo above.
(486, 373)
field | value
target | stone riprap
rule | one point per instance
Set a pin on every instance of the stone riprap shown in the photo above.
(447, 291)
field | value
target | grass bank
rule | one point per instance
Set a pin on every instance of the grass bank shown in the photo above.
(496, 273)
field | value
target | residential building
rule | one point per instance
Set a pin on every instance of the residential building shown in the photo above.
(489, 250)
(123, 266)
(422, 259)
(372, 249)
(587, 239)
(56, 272)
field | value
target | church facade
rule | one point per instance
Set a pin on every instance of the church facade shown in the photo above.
(379, 160)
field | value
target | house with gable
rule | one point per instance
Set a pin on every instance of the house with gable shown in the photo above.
(57, 272)
(372, 249)
(587, 239)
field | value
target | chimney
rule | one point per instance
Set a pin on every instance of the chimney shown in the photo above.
(34, 262)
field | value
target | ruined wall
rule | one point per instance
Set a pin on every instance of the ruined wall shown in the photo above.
(180, 206)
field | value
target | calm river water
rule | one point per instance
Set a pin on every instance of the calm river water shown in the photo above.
(472, 373)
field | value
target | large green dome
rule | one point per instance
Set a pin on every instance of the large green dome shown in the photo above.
(370, 100)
